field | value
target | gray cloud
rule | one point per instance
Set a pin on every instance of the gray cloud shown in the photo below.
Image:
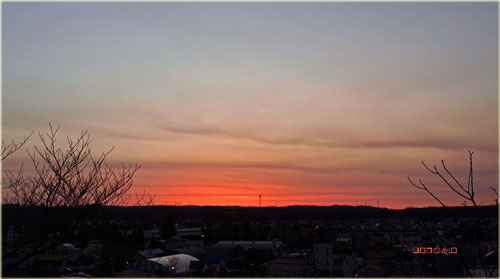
(328, 141)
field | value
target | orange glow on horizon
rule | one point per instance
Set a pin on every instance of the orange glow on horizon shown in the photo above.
(197, 193)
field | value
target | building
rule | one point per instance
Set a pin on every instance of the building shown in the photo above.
(323, 258)
(188, 232)
(289, 267)
(178, 264)
(336, 259)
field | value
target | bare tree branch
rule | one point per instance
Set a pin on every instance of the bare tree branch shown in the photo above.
(496, 193)
(423, 187)
(451, 175)
(13, 146)
(467, 194)
(471, 178)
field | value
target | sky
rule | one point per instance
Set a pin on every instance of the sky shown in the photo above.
(302, 103)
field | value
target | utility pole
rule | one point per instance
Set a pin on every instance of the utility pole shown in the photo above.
(260, 200)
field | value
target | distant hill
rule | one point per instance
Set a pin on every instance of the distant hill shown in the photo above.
(308, 212)
(289, 212)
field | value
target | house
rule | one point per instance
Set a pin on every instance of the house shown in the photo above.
(270, 246)
(175, 242)
(176, 264)
(154, 233)
(225, 255)
(375, 256)
(289, 267)
(189, 232)
(377, 263)
(323, 258)
(186, 246)
(144, 268)
(192, 247)
(335, 259)
(151, 253)
(213, 264)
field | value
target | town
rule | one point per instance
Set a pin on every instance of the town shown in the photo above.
(300, 241)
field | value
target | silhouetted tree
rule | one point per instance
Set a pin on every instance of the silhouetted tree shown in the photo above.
(70, 177)
(467, 194)
(66, 182)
